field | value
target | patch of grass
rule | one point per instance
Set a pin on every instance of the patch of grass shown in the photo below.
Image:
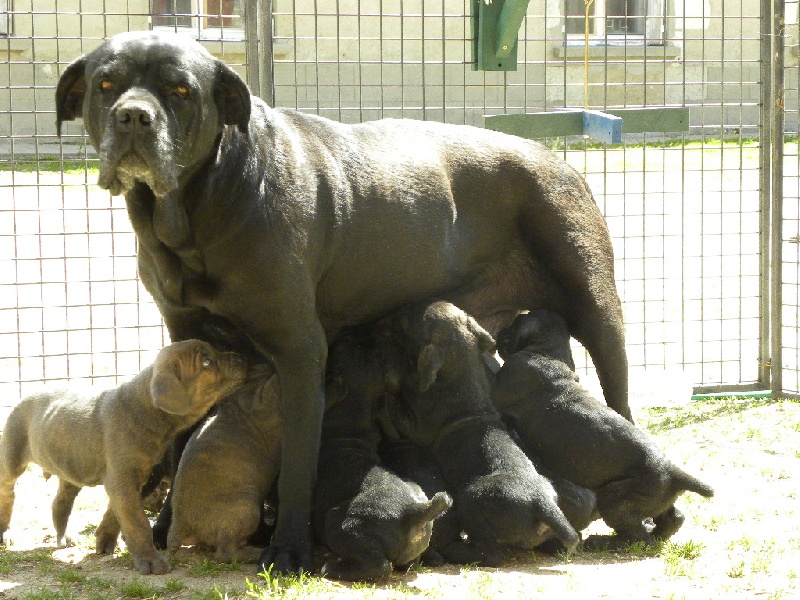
(278, 587)
(661, 419)
(40, 558)
(45, 593)
(49, 164)
(215, 593)
(678, 558)
(736, 571)
(71, 575)
(138, 588)
(642, 550)
(174, 585)
(208, 567)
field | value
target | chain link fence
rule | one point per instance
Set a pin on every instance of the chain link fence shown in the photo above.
(689, 210)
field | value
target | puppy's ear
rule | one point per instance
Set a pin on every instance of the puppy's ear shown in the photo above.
(70, 92)
(167, 392)
(232, 97)
(430, 360)
(485, 341)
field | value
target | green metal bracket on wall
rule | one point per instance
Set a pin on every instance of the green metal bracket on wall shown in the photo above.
(607, 126)
(495, 31)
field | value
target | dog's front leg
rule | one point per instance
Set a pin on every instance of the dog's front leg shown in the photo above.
(126, 502)
(301, 368)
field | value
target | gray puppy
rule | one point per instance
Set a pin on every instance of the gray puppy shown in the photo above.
(370, 518)
(114, 439)
(581, 439)
(445, 405)
(227, 469)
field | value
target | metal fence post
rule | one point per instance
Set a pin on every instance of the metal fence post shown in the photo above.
(776, 208)
(765, 187)
(266, 52)
(250, 18)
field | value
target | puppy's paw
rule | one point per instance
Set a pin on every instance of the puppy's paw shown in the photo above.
(350, 569)
(155, 564)
(282, 560)
(105, 544)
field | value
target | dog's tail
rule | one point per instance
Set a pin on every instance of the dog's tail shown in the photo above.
(682, 481)
(434, 507)
(555, 520)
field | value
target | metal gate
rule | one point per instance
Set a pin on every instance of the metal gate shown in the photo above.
(691, 213)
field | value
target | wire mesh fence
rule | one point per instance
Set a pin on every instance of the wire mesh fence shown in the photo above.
(686, 209)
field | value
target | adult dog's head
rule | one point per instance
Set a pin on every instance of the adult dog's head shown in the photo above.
(154, 105)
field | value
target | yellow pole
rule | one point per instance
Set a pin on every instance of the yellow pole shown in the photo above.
(588, 4)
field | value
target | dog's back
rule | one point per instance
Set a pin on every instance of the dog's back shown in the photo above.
(41, 429)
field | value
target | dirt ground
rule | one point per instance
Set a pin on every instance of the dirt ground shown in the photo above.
(743, 543)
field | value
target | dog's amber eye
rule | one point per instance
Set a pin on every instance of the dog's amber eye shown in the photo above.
(181, 91)
(106, 85)
(206, 362)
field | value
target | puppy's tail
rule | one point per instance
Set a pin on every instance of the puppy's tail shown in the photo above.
(682, 481)
(434, 507)
(564, 531)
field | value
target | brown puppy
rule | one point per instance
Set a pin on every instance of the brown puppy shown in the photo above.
(577, 437)
(445, 405)
(226, 471)
(114, 439)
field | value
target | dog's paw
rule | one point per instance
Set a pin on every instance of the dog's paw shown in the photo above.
(349, 569)
(155, 564)
(105, 544)
(282, 560)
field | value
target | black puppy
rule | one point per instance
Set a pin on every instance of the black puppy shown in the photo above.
(417, 464)
(367, 516)
(582, 440)
(445, 405)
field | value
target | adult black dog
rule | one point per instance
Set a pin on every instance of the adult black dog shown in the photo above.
(288, 226)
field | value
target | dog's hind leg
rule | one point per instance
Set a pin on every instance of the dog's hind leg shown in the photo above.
(14, 458)
(668, 523)
(107, 533)
(62, 508)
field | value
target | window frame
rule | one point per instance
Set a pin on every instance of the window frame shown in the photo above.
(654, 26)
(198, 14)
(6, 23)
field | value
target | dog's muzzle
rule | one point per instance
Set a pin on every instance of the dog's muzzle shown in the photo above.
(136, 147)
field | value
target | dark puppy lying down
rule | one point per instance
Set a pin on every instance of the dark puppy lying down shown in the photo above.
(445, 405)
(581, 439)
(114, 439)
(370, 518)
(227, 469)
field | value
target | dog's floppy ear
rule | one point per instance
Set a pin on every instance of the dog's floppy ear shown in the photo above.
(70, 92)
(485, 341)
(167, 391)
(430, 360)
(232, 97)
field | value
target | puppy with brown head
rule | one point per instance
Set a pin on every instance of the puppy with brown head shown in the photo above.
(445, 405)
(579, 438)
(227, 469)
(370, 518)
(114, 439)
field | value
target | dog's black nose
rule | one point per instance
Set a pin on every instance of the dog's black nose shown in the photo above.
(133, 115)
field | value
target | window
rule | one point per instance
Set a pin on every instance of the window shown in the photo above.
(623, 21)
(206, 19)
(5, 17)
